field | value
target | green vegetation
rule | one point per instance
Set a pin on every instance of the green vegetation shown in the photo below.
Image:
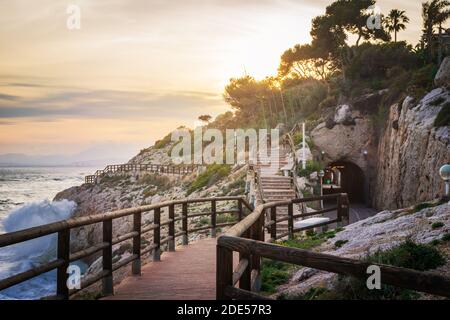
(443, 117)
(446, 237)
(437, 225)
(155, 183)
(164, 142)
(213, 174)
(311, 167)
(340, 243)
(235, 188)
(312, 78)
(425, 205)
(407, 255)
(311, 240)
(226, 218)
(274, 274)
(113, 180)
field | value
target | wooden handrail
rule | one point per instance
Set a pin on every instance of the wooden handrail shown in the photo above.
(64, 256)
(247, 238)
(154, 168)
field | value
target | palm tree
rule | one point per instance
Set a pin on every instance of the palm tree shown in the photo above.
(434, 13)
(396, 21)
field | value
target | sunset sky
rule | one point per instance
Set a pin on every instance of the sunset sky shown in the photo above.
(137, 69)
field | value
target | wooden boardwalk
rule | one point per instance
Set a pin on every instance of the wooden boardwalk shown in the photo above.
(189, 273)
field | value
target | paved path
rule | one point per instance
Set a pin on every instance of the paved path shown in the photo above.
(189, 273)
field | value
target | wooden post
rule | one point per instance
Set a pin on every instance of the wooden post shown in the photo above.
(241, 210)
(136, 266)
(345, 203)
(172, 227)
(185, 224)
(157, 234)
(108, 288)
(273, 226)
(213, 218)
(257, 233)
(224, 271)
(291, 221)
(63, 253)
(246, 281)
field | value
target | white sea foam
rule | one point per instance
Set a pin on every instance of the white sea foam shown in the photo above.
(21, 257)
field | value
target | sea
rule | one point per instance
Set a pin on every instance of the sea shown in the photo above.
(26, 200)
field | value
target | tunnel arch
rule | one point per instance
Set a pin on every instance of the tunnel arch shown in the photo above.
(345, 177)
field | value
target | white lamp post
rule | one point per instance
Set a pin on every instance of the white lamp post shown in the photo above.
(444, 172)
(321, 175)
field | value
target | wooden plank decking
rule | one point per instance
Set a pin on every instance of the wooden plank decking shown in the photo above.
(189, 273)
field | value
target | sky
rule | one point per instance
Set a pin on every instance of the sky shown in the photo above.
(137, 69)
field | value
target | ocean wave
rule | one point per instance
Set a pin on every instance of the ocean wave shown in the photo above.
(24, 256)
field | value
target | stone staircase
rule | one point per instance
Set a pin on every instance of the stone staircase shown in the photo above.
(274, 186)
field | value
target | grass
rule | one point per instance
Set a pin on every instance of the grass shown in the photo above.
(310, 241)
(226, 218)
(407, 255)
(213, 174)
(275, 273)
(425, 205)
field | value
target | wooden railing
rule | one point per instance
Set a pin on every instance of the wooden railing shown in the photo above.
(139, 248)
(248, 239)
(151, 168)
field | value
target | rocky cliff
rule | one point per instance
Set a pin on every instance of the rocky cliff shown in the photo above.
(411, 151)
(400, 159)
(386, 230)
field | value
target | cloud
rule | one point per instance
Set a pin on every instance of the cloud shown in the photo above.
(8, 97)
(113, 104)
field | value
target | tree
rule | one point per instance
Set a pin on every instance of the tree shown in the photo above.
(304, 62)
(434, 13)
(396, 21)
(352, 16)
(206, 118)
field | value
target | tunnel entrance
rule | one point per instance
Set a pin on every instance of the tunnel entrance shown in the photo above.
(345, 177)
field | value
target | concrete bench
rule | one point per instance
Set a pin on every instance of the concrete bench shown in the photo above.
(311, 223)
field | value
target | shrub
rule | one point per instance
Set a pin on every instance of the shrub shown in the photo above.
(437, 102)
(213, 174)
(410, 255)
(443, 117)
(163, 142)
(407, 255)
(311, 166)
(155, 183)
(340, 243)
(446, 237)
(437, 225)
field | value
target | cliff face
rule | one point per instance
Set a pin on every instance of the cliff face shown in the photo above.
(401, 164)
(410, 153)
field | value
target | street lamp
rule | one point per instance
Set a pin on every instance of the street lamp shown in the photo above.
(444, 172)
(321, 175)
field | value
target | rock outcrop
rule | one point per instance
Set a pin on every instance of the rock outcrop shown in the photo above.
(384, 231)
(401, 162)
(443, 76)
(410, 153)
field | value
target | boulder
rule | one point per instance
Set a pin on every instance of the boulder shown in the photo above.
(442, 78)
(343, 115)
